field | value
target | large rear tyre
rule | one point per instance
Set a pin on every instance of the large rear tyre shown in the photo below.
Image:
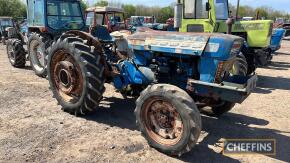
(16, 53)
(168, 118)
(75, 75)
(37, 49)
(240, 67)
(251, 60)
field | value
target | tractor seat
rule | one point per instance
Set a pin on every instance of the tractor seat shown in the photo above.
(102, 34)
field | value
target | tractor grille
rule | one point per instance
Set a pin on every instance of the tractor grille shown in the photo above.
(195, 28)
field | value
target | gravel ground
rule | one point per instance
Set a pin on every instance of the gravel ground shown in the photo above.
(33, 128)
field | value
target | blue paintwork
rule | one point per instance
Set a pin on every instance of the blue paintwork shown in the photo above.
(209, 60)
(130, 74)
(37, 16)
(102, 33)
(276, 39)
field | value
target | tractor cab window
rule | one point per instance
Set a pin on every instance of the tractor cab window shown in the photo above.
(90, 18)
(100, 19)
(221, 9)
(115, 18)
(6, 22)
(195, 9)
(64, 15)
(201, 12)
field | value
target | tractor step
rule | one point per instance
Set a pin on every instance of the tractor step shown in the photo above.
(235, 90)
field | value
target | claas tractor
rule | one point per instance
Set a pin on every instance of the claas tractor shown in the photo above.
(150, 22)
(110, 17)
(173, 75)
(47, 20)
(5, 22)
(212, 16)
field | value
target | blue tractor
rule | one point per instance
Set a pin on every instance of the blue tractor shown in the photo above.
(5, 22)
(174, 75)
(276, 39)
(47, 20)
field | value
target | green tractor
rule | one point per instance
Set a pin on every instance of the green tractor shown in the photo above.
(213, 16)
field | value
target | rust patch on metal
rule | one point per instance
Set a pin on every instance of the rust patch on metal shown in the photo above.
(66, 76)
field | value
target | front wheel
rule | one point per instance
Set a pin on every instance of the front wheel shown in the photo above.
(168, 118)
(16, 53)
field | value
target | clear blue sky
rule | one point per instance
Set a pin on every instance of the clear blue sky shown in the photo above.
(276, 4)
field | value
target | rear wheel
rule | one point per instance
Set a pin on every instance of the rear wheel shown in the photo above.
(75, 75)
(168, 118)
(240, 67)
(37, 47)
(16, 53)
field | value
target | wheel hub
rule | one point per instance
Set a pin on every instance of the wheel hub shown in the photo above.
(162, 121)
(66, 76)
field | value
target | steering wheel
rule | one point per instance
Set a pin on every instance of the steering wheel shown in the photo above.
(71, 25)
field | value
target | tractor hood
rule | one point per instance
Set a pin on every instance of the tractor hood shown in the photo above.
(180, 43)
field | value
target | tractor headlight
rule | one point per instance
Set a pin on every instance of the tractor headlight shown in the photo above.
(223, 70)
(7, 29)
(236, 48)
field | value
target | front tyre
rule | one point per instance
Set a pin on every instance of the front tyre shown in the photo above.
(37, 46)
(16, 53)
(75, 75)
(168, 118)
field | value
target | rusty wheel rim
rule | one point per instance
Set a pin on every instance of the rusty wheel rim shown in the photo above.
(66, 77)
(162, 121)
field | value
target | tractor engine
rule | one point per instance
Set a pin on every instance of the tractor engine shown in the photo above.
(153, 58)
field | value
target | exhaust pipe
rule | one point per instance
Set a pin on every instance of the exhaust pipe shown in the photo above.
(178, 15)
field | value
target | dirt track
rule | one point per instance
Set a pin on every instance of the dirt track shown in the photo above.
(34, 129)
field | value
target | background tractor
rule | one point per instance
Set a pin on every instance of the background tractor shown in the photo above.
(276, 39)
(110, 17)
(150, 22)
(5, 22)
(213, 16)
(47, 20)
